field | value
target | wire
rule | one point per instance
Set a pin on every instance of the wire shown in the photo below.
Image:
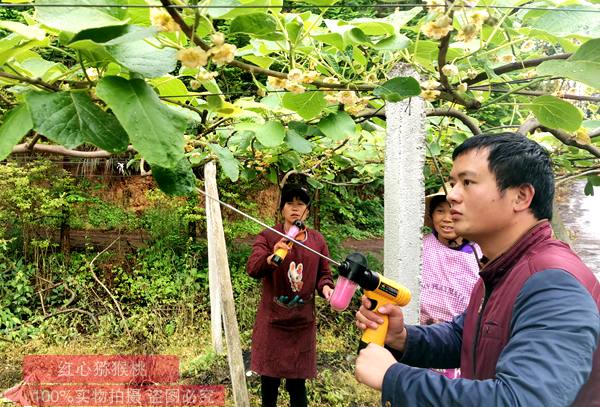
(332, 6)
(251, 93)
(261, 223)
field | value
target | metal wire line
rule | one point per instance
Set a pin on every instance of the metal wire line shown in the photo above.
(333, 6)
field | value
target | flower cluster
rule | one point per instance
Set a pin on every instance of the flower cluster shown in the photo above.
(471, 29)
(192, 57)
(162, 20)
(220, 53)
(430, 90)
(294, 80)
(438, 28)
(353, 103)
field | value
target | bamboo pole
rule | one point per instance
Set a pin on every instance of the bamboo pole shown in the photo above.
(219, 252)
(216, 314)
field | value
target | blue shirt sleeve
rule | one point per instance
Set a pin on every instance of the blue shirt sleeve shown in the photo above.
(555, 331)
(436, 345)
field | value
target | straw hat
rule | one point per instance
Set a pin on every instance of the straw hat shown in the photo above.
(431, 201)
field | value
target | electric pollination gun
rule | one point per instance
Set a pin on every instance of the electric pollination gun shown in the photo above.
(295, 229)
(354, 272)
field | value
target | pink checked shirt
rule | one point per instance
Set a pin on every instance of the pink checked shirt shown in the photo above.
(447, 280)
(446, 283)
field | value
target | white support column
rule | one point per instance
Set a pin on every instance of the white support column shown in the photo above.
(404, 192)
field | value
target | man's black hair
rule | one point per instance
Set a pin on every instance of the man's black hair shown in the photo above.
(516, 160)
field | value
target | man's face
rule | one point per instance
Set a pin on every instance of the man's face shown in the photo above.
(479, 210)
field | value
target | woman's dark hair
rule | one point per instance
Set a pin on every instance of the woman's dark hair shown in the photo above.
(291, 191)
(516, 160)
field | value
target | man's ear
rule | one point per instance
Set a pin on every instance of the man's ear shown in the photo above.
(523, 198)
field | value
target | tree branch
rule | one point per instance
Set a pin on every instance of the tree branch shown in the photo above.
(188, 31)
(515, 66)
(531, 125)
(536, 93)
(454, 96)
(35, 139)
(37, 82)
(106, 288)
(59, 150)
(449, 112)
(589, 171)
(466, 120)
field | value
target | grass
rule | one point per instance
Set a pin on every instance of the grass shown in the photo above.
(199, 364)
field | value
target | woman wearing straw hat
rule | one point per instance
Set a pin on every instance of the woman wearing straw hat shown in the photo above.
(450, 267)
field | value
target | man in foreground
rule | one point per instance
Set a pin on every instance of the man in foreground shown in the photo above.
(530, 334)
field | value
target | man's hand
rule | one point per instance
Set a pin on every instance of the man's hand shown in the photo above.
(396, 334)
(371, 365)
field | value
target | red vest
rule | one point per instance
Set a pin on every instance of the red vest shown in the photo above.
(484, 340)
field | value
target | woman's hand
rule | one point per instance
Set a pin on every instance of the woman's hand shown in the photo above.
(327, 292)
(281, 244)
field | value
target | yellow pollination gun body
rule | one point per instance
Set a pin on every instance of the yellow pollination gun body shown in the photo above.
(379, 289)
(279, 254)
(386, 292)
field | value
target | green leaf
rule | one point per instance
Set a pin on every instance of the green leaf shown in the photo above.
(154, 130)
(26, 31)
(272, 176)
(588, 190)
(318, 2)
(307, 105)
(271, 134)
(583, 66)
(570, 23)
(13, 45)
(178, 181)
(371, 26)
(127, 45)
(337, 126)
(101, 35)
(297, 142)
(333, 39)
(17, 122)
(170, 86)
(359, 57)
(135, 54)
(259, 25)
(71, 119)
(555, 113)
(591, 124)
(78, 18)
(398, 88)
(263, 62)
(40, 68)
(294, 29)
(394, 43)
(229, 164)
(314, 183)
(425, 52)
(228, 9)
(356, 36)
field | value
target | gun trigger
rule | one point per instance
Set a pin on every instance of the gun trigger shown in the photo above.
(373, 304)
